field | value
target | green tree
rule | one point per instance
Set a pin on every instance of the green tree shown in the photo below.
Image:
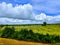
(44, 23)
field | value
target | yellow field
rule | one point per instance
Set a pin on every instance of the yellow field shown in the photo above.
(50, 29)
(4, 41)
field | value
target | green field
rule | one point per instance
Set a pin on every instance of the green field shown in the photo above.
(53, 29)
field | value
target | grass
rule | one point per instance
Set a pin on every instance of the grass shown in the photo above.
(53, 29)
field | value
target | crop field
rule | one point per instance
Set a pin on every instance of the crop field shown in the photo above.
(53, 29)
(4, 41)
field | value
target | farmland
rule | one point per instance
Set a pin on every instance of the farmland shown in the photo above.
(4, 41)
(34, 33)
(50, 29)
(53, 29)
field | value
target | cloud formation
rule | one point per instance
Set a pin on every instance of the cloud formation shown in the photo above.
(19, 11)
(39, 19)
(49, 19)
(23, 14)
(46, 6)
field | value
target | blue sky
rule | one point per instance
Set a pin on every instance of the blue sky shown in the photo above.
(29, 11)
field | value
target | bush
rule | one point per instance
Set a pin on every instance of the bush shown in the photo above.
(8, 32)
(2, 26)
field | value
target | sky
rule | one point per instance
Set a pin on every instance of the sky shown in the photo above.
(29, 11)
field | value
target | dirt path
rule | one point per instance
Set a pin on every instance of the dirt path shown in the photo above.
(4, 41)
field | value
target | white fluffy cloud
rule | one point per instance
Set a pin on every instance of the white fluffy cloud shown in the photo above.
(19, 11)
(38, 20)
(17, 21)
(41, 16)
(50, 19)
(23, 14)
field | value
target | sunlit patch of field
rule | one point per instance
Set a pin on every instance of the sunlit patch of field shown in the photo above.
(4, 41)
(50, 29)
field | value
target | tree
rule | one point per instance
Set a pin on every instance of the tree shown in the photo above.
(44, 23)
